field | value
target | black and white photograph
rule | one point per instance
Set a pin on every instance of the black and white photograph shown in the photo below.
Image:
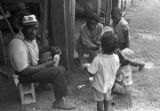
(79, 55)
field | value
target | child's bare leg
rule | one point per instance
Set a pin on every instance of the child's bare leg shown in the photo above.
(107, 101)
(100, 105)
(106, 105)
(136, 64)
(109, 106)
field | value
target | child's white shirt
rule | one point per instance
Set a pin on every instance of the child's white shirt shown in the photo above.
(105, 68)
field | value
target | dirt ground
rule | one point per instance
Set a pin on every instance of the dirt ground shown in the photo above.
(145, 94)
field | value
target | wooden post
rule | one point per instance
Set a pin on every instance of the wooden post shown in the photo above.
(108, 11)
(71, 47)
(124, 7)
(44, 18)
(99, 7)
(57, 28)
(119, 3)
(67, 23)
(60, 28)
(69, 17)
(3, 60)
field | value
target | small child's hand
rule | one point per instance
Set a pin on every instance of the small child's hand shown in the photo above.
(86, 65)
(55, 50)
(90, 79)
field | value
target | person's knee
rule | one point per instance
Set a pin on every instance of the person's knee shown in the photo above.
(57, 71)
(62, 68)
(100, 105)
(61, 71)
(119, 89)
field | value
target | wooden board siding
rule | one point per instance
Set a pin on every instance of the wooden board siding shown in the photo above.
(2, 51)
(60, 28)
(16, 1)
(69, 14)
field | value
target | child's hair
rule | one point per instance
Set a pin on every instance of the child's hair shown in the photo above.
(116, 11)
(109, 42)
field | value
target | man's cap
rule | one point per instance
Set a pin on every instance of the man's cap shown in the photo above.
(30, 20)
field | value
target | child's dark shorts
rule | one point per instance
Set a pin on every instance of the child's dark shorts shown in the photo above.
(98, 96)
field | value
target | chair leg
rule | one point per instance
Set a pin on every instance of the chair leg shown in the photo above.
(27, 93)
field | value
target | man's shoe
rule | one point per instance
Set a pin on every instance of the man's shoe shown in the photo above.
(63, 105)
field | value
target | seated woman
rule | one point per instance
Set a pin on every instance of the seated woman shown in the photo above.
(89, 40)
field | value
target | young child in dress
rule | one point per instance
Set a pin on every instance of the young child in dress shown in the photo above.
(104, 67)
(121, 29)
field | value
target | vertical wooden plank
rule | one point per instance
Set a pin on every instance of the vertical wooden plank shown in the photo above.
(124, 7)
(120, 4)
(99, 7)
(61, 26)
(26, 1)
(2, 51)
(108, 12)
(44, 19)
(71, 47)
(56, 27)
(69, 14)
(67, 23)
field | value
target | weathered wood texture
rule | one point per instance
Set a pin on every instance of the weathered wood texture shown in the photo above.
(44, 21)
(60, 28)
(16, 1)
(2, 51)
(69, 14)
(108, 12)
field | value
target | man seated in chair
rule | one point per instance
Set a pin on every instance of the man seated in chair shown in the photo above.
(24, 56)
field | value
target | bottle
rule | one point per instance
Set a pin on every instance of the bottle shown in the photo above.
(56, 59)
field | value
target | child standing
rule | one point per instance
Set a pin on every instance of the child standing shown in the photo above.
(104, 68)
(121, 28)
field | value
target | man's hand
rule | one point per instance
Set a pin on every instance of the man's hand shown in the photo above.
(55, 50)
(98, 43)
